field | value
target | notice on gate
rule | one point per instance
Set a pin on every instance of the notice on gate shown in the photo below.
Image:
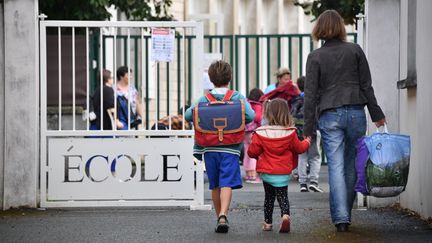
(162, 45)
(120, 168)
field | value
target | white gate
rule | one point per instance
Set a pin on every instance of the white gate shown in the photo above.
(140, 167)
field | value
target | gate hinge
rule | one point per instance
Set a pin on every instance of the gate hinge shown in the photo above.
(42, 16)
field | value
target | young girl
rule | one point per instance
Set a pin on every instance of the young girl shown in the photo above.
(276, 147)
(249, 164)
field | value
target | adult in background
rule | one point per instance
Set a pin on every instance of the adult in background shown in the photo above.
(107, 104)
(125, 91)
(285, 88)
(338, 87)
(283, 76)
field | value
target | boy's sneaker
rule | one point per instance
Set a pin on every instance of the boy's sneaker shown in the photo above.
(303, 188)
(314, 187)
(222, 225)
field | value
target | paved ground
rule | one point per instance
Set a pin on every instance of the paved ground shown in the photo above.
(310, 223)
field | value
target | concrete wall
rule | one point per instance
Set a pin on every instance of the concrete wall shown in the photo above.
(177, 10)
(416, 113)
(2, 61)
(21, 104)
(252, 17)
(226, 7)
(382, 50)
(409, 110)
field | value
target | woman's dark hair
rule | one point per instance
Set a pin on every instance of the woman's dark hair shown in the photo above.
(220, 73)
(122, 71)
(329, 25)
(255, 94)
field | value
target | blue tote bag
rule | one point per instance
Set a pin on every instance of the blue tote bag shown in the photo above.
(387, 165)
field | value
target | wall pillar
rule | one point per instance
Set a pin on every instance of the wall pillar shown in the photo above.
(382, 50)
(2, 78)
(20, 160)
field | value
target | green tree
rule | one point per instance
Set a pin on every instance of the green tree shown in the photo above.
(348, 9)
(97, 9)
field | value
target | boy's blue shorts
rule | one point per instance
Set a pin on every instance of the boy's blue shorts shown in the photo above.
(223, 170)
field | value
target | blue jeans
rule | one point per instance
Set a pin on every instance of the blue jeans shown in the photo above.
(340, 128)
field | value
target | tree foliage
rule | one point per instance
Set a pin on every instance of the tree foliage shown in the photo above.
(97, 9)
(348, 9)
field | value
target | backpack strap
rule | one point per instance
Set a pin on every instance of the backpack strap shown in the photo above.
(229, 94)
(210, 97)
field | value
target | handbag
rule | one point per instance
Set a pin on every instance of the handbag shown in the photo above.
(122, 111)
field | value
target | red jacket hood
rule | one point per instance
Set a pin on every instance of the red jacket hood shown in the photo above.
(276, 138)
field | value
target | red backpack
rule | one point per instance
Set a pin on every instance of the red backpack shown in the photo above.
(219, 123)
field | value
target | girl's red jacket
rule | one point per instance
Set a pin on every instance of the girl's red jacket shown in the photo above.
(276, 149)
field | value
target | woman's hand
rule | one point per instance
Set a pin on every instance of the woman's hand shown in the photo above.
(119, 125)
(380, 123)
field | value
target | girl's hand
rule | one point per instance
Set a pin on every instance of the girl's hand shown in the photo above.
(308, 138)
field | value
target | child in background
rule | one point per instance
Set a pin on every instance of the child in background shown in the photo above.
(276, 147)
(312, 156)
(249, 164)
(222, 162)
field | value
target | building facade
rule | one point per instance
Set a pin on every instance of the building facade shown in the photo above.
(397, 43)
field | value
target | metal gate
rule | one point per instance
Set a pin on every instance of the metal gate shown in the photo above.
(82, 167)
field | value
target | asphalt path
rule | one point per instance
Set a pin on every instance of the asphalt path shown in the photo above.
(309, 213)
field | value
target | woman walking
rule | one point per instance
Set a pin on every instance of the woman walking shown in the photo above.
(338, 87)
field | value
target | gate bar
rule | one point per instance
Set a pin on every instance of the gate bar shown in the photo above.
(123, 24)
(60, 78)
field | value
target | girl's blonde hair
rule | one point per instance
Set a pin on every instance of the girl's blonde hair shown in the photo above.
(277, 113)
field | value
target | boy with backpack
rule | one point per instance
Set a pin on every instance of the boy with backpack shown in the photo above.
(222, 155)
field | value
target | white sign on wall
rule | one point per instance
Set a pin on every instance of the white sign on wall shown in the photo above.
(162, 45)
(208, 59)
(120, 168)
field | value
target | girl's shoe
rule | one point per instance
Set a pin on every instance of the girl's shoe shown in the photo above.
(267, 227)
(285, 226)
(256, 181)
(250, 179)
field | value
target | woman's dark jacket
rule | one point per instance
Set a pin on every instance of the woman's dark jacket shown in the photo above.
(337, 74)
(108, 103)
